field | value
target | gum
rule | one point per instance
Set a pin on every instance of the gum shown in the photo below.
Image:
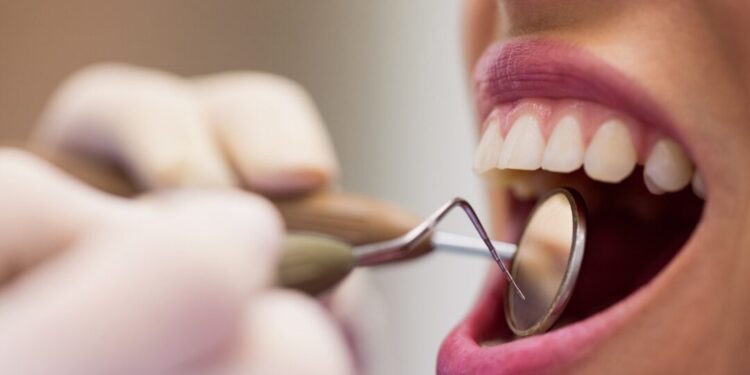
(590, 117)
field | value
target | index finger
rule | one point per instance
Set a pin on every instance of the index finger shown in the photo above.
(271, 131)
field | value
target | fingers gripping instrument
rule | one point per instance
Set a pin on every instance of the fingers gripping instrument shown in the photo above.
(331, 233)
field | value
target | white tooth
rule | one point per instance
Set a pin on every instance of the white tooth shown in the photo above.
(698, 187)
(488, 150)
(523, 146)
(668, 167)
(564, 152)
(652, 187)
(611, 155)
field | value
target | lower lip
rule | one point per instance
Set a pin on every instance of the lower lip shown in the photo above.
(463, 352)
(477, 346)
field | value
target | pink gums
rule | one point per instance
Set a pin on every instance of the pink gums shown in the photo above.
(589, 115)
(509, 72)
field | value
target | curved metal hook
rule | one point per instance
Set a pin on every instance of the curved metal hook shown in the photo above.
(412, 244)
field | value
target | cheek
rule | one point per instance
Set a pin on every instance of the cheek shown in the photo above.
(480, 21)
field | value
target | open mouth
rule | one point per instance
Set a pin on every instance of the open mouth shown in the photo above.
(557, 117)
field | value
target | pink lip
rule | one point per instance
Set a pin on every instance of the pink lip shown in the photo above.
(550, 353)
(545, 69)
(515, 70)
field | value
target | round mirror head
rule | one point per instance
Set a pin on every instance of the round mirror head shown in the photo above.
(546, 263)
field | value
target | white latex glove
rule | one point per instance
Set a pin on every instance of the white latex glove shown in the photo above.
(175, 282)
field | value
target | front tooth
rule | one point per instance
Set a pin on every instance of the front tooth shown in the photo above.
(652, 187)
(698, 187)
(489, 147)
(564, 152)
(611, 155)
(523, 146)
(668, 168)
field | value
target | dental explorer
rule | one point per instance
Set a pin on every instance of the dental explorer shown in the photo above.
(333, 232)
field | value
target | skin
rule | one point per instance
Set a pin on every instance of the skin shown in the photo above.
(693, 58)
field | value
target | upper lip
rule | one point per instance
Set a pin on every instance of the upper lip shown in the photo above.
(546, 69)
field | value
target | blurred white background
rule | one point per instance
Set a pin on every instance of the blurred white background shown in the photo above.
(387, 76)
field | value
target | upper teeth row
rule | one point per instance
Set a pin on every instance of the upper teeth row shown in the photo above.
(610, 155)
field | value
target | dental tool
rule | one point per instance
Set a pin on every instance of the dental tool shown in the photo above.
(331, 233)
(375, 253)
(545, 263)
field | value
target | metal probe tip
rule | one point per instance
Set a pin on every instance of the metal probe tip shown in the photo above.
(507, 273)
(403, 247)
(483, 234)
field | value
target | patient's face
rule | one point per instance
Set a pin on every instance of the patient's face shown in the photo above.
(641, 106)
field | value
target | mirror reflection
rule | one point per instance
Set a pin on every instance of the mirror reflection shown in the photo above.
(541, 261)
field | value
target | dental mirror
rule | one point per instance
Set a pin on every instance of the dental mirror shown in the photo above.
(546, 263)
(543, 270)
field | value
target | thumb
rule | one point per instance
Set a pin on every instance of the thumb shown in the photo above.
(160, 286)
(284, 333)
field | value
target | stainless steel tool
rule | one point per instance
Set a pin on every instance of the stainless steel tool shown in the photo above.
(332, 232)
(543, 270)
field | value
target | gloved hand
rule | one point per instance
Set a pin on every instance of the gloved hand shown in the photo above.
(178, 281)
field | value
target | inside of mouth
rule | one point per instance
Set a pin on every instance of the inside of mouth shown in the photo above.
(631, 236)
